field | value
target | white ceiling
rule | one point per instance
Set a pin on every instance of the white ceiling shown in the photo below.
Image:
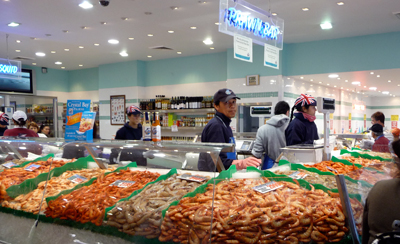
(41, 17)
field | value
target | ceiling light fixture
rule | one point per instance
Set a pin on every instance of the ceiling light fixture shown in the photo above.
(33, 38)
(58, 63)
(340, 3)
(80, 65)
(62, 67)
(193, 27)
(179, 52)
(103, 23)
(53, 51)
(320, 82)
(274, 14)
(86, 5)
(333, 76)
(305, 9)
(33, 63)
(378, 76)
(217, 23)
(81, 47)
(13, 24)
(131, 38)
(171, 31)
(124, 18)
(113, 41)
(372, 73)
(174, 7)
(18, 51)
(302, 77)
(389, 81)
(346, 81)
(84, 27)
(311, 80)
(149, 56)
(40, 54)
(326, 26)
(208, 41)
(18, 41)
(67, 50)
(123, 54)
(149, 34)
(211, 48)
(385, 92)
(355, 83)
(65, 31)
(334, 86)
(96, 44)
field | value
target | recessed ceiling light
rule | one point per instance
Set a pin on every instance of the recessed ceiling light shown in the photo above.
(80, 65)
(211, 48)
(123, 54)
(385, 92)
(58, 63)
(389, 81)
(40, 54)
(320, 82)
(84, 27)
(171, 32)
(53, 51)
(378, 76)
(103, 23)
(113, 41)
(86, 5)
(341, 87)
(124, 18)
(334, 86)
(305, 9)
(179, 52)
(311, 85)
(365, 86)
(81, 47)
(217, 23)
(355, 83)
(13, 24)
(333, 76)
(33, 63)
(149, 56)
(96, 44)
(67, 50)
(208, 41)
(372, 73)
(340, 3)
(150, 35)
(274, 14)
(302, 77)
(347, 89)
(18, 41)
(346, 81)
(328, 84)
(18, 51)
(131, 38)
(311, 80)
(338, 78)
(174, 7)
(326, 26)
(62, 67)
(193, 27)
(65, 31)
(398, 85)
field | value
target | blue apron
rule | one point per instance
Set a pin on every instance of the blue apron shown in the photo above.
(229, 155)
(268, 162)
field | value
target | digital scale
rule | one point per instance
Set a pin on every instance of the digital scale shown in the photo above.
(326, 106)
(244, 146)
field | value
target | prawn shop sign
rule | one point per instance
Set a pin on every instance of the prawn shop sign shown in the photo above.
(80, 121)
(243, 18)
(10, 69)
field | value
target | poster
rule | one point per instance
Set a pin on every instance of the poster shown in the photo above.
(75, 111)
(394, 119)
(243, 48)
(117, 110)
(271, 56)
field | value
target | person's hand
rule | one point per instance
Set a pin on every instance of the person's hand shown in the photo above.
(243, 163)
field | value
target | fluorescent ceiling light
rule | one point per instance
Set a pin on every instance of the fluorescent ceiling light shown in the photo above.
(179, 52)
(40, 54)
(171, 32)
(13, 24)
(131, 38)
(355, 83)
(217, 23)
(208, 41)
(58, 62)
(372, 73)
(211, 48)
(33, 63)
(81, 47)
(274, 14)
(333, 76)
(149, 34)
(67, 50)
(96, 44)
(305, 9)
(385, 92)
(389, 81)
(62, 67)
(123, 54)
(378, 76)
(86, 5)
(326, 26)
(302, 77)
(18, 41)
(113, 41)
(18, 50)
(193, 27)
(53, 51)
(149, 56)
(80, 65)
(340, 3)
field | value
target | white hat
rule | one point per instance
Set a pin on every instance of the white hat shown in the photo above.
(19, 115)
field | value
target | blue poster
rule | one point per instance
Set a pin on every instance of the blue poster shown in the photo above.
(75, 111)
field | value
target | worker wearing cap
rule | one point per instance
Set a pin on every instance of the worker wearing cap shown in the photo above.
(218, 130)
(19, 119)
(381, 142)
(3, 122)
(132, 130)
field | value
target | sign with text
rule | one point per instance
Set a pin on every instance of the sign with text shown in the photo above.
(243, 18)
(394, 119)
(75, 111)
(271, 56)
(243, 48)
(10, 69)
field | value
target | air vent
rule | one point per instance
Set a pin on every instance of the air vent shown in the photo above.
(161, 48)
(23, 58)
(397, 14)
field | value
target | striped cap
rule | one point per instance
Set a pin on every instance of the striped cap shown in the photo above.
(4, 119)
(133, 110)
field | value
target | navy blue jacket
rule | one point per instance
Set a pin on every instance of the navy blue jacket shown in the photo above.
(128, 133)
(216, 130)
(301, 131)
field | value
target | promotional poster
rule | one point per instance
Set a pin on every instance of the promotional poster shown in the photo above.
(80, 121)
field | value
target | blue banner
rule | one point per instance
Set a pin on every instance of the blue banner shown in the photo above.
(75, 111)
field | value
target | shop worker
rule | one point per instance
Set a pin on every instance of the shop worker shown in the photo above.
(218, 130)
(19, 118)
(302, 129)
(132, 130)
(270, 137)
(376, 118)
(3, 122)
(381, 142)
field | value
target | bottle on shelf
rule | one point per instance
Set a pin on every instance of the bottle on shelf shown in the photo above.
(156, 129)
(147, 128)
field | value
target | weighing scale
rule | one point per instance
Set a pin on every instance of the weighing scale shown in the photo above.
(326, 106)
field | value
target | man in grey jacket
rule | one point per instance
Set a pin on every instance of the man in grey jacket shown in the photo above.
(271, 136)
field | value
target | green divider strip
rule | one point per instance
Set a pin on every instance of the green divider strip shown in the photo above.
(364, 155)
(44, 158)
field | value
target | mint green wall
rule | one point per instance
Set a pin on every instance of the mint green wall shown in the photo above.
(194, 69)
(83, 80)
(118, 75)
(370, 52)
(240, 69)
(53, 80)
(141, 73)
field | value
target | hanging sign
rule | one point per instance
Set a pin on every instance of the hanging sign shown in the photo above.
(10, 69)
(271, 56)
(365, 121)
(394, 119)
(243, 48)
(350, 122)
(241, 17)
(79, 120)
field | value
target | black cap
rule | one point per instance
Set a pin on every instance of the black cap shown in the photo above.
(224, 95)
(376, 128)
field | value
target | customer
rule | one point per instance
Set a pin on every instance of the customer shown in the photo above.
(132, 130)
(44, 131)
(3, 123)
(396, 134)
(302, 130)
(382, 204)
(218, 130)
(270, 137)
(379, 118)
(19, 119)
(381, 142)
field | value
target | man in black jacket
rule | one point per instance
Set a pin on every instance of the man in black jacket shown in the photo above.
(219, 130)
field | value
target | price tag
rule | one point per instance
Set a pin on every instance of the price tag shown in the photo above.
(77, 179)
(196, 178)
(174, 128)
(32, 167)
(331, 169)
(9, 165)
(123, 183)
(267, 187)
(298, 175)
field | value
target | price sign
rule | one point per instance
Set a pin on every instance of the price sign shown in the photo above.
(394, 124)
(196, 178)
(298, 175)
(267, 187)
(123, 183)
(174, 128)
(77, 179)
(331, 169)
(32, 167)
(9, 165)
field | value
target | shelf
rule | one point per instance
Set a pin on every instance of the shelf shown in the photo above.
(183, 129)
(39, 114)
(183, 111)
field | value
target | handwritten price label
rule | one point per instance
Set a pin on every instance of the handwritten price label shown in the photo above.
(32, 167)
(331, 169)
(298, 175)
(196, 178)
(267, 187)
(9, 165)
(123, 183)
(77, 179)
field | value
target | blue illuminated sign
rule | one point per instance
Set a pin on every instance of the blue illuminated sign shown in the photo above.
(8, 69)
(256, 26)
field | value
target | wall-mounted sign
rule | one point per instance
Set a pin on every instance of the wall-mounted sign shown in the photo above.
(10, 69)
(241, 17)
(359, 105)
(394, 119)
(117, 110)
(243, 48)
(271, 56)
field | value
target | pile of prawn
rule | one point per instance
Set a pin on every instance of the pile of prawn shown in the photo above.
(387, 167)
(31, 202)
(141, 215)
(333, 167)
(288, 214)
(88, 203)
(367, 175)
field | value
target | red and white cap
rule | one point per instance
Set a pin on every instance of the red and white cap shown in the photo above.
(133, 110)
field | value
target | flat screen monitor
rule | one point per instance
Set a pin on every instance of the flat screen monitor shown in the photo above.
(23, 85)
